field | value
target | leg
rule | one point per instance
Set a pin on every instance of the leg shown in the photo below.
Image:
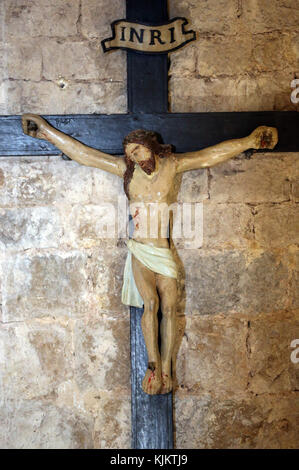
(167, 288)
(146, 284)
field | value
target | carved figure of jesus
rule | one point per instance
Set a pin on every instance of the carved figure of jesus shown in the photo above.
(149, 170)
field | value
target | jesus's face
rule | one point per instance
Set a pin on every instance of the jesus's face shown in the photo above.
(138, 152)
(142, 156)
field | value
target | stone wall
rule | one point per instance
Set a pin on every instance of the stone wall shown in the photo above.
(64, 352)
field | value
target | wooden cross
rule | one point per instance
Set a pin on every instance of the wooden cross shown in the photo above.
(148, 109)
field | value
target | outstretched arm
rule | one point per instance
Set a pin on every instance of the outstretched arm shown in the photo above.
(36, 126)
(262, 137)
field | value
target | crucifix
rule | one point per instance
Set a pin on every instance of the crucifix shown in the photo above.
(148, 169)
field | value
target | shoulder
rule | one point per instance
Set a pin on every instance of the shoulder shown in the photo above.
(121, 164)
(171, 159)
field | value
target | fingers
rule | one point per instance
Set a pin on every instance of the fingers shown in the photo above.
(266, 137)
(274, 137)
(26, 118)
(32, 124)
(271, 138)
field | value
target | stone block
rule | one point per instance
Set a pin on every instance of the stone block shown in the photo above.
(277, 225)
(269, 340)
(215, 355)
(26, 183)
(211, 281)
(294, 176)
(263, 422)
(24, 60)
(264, 17)
(91, 225)
(227, 225)
(35, 358)
(73, 182)
(80, 60)
(76, 97)
(36, 424)
(11, 97)
(3, 52)
(193, 186)
(113, 424)
(227, 281)
(3, 103)
(203, 17)
(44, 285)
(107, 187)
(97, 17)
(264, 283)
(251, 181)
(102, 360)
(31, 19)
(294, 268)
(222, 56)
(24, 228)
(249, 92)
(183, 61)
(272, 52)
(106, 276)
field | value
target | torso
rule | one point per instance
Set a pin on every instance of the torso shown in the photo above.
(149, 196)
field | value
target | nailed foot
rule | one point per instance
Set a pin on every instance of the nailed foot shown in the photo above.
(166, 383)
(152, 381)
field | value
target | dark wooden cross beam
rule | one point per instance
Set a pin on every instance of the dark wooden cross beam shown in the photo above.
(148, 109)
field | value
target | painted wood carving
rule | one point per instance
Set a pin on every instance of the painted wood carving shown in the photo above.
(149, 169)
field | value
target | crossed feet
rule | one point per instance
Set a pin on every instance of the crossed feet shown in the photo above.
(157, 379)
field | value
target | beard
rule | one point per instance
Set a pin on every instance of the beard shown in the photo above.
(149, 165)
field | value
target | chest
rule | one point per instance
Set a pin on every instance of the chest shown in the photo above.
(155, 187)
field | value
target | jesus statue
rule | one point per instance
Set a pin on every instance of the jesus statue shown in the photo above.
(148, 169)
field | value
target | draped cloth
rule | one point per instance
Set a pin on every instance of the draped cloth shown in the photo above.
(158, 260)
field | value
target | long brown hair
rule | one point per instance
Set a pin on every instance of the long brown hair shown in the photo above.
(148, 139)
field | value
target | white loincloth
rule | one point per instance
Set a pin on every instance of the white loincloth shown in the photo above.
(158, 260)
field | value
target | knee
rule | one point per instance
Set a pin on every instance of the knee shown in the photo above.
(151, 304)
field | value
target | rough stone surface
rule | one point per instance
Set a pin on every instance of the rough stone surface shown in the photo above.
(81, 60)
(53, 62)
(277, 225)
(252, 181)
(113, 423)
(244, 62)
(64, 334)
(193, 186)
(31, 19)
(222, 93)
(269, 340)
(226, 281)
(74, 98)
(294, 291)
(102, 350)
(207, 422)
(211, 346)
(97, 16)
(45, 284)
(35, 358)
(24, 61)
(227, 225)
(42, 425)
(29, 228)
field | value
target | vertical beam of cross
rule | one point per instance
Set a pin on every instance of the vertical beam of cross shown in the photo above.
(147, 74)
(147, 93)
